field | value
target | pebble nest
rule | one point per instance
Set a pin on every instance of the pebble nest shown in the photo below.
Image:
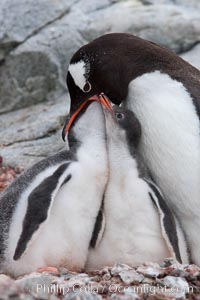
(168, 280)
(7, 174)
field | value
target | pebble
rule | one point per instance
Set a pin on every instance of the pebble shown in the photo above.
(119, 268)
(150, 270)
(178, 286)
(7, 175)
(120, 282)
(131, 276)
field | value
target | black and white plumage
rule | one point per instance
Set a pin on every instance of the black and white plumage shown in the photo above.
(47, 215)
(163, 91)
(140, 226)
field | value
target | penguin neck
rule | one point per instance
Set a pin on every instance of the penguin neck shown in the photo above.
(121, 157)
(94, 145)
(91, 147)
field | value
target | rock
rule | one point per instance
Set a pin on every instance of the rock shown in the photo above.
(26, 79)
(23, 19)
(179, 286)
(7, 175)
(118, 268)
(91, 6)
(192, 270)
(193, 56)
(38, 39)
(36, 70)
(37, 51)
(163, 22)
(79, 286)
(127, 296)
(83, 296)
(131, 276)
(191, 4)
(78, 279)
(26, 138)
(31, 124)
(10, 290)
(25, 154)
(170, 261)
(149, 270)
(37, 285)
(131, 293)
(8, 287)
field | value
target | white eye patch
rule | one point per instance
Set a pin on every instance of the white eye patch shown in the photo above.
(78, 72)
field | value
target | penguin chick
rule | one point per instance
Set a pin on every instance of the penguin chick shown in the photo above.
(48, 214)
(139, 224)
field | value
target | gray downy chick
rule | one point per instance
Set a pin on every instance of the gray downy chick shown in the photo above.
(47, 215)
(140, 226)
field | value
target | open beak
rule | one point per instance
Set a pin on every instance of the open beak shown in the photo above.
(102, 98)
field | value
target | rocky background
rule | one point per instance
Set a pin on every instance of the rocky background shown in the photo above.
(37, 39)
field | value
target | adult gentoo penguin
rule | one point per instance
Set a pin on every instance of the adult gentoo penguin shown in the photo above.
(47, 215)
(139, 224)
(164, 92)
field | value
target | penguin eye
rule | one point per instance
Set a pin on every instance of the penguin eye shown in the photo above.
(119, 116)
(87, 87)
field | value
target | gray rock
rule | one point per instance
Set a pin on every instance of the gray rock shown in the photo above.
(170, 25)
(131, 276)
(39, 38)
(78, 280)
(131, 293)
(25, 154)
(37, 285)
(26, 79)
(21, 19)
(91, 6)
(35, 71)
(193, 56)
(118, 268)
(81, 286)
(151, 270)
(83, 296)
(32, 123)
(29, 135)
(179, 286)
(126, 296)
(170, 261)
(7, 287)
(191, 4)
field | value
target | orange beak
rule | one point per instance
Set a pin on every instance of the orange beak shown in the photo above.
(103, 99)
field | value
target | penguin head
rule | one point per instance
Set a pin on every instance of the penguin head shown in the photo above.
(107, 65)
(94, 69)
(122, 124)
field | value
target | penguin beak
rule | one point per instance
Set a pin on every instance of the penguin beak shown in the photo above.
(102, 98)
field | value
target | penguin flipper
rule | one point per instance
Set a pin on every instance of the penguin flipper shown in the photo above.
(39, 202)
(99, 228)
(169, 229)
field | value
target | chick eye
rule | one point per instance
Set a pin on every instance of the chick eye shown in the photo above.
(119, 116)
(87, 87)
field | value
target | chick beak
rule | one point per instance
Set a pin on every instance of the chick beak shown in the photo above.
(102, 98)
